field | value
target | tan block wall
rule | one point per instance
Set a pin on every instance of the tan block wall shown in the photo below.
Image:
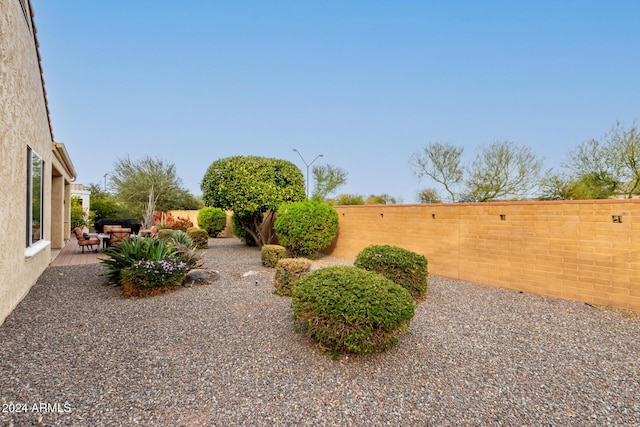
(570, 249)
(23, 121)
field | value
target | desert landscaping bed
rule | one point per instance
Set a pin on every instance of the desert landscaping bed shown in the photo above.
(76, 352)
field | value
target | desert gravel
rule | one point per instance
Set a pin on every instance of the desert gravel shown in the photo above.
(76, 352)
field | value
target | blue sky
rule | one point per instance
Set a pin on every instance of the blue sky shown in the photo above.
(365, 83)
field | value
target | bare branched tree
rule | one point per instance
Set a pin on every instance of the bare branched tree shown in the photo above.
(504, 170)
(442, 163)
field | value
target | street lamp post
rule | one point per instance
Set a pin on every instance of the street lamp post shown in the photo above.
(308, 165)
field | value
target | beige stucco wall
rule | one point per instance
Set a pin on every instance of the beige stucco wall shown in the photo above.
(23, 121)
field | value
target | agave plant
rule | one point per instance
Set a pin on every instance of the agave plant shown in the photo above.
(131, 251)
(185, 247)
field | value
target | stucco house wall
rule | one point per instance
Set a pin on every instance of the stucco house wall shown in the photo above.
(24, 122)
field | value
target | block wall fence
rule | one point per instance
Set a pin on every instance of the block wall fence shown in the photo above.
(587, 251)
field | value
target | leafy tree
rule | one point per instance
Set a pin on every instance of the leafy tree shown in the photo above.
(586, 187)
(382, 199)
(503, 169)
(148, 184)
(186, 201)
(327, 179)
(557, 187)
(623, 151)
(253, 188)
(442, 163)
(349, 199)
(592, 164)
(78, 216)
(104, 205)
(429, 195)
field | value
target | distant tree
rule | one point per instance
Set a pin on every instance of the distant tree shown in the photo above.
(557, 187)
(79, 218)
(147, 185)
(442, 163)
(382, 199)
(593, 165)
(186, 201)
(103, 204)
(349, 199)
(253, 188)
(503, 169)
(429, 195)
(623, 151)
(327, 179)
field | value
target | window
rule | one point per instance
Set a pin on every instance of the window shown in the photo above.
(35, 199)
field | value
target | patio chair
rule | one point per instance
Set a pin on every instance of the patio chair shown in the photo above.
(117, 234)
(85, 240)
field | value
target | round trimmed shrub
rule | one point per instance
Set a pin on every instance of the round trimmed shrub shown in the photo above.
(305, 228)
(271, 254)
(199, 237)
(212, 220)
(288, 270)
(406, 268)
(351, 310)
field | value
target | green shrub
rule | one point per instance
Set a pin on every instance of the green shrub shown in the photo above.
(348, 309)
(271, 254)
(407, 269)
(212, 220)
(130, 252)
(163, 233)
(169, 271)
(199, 237)
(288, 270)
(305, 228)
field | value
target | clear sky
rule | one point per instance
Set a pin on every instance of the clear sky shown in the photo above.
(365, 83)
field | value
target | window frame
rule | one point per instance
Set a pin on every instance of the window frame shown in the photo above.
(30, 231)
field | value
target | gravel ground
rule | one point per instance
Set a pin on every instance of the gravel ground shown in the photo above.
(75, 352)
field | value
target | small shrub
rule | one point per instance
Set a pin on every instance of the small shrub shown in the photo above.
(131, 251)
(146, 274)
(163, 233)
(407, 269)
(288, 270)
(212, 220)
(271, 254)
(169, 271)
(348, 309)
(305, 228)
(199, 237)
(181, 224)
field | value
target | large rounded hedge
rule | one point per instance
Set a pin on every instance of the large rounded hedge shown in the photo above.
(404, 267)
(351, 310)
(305, 228)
